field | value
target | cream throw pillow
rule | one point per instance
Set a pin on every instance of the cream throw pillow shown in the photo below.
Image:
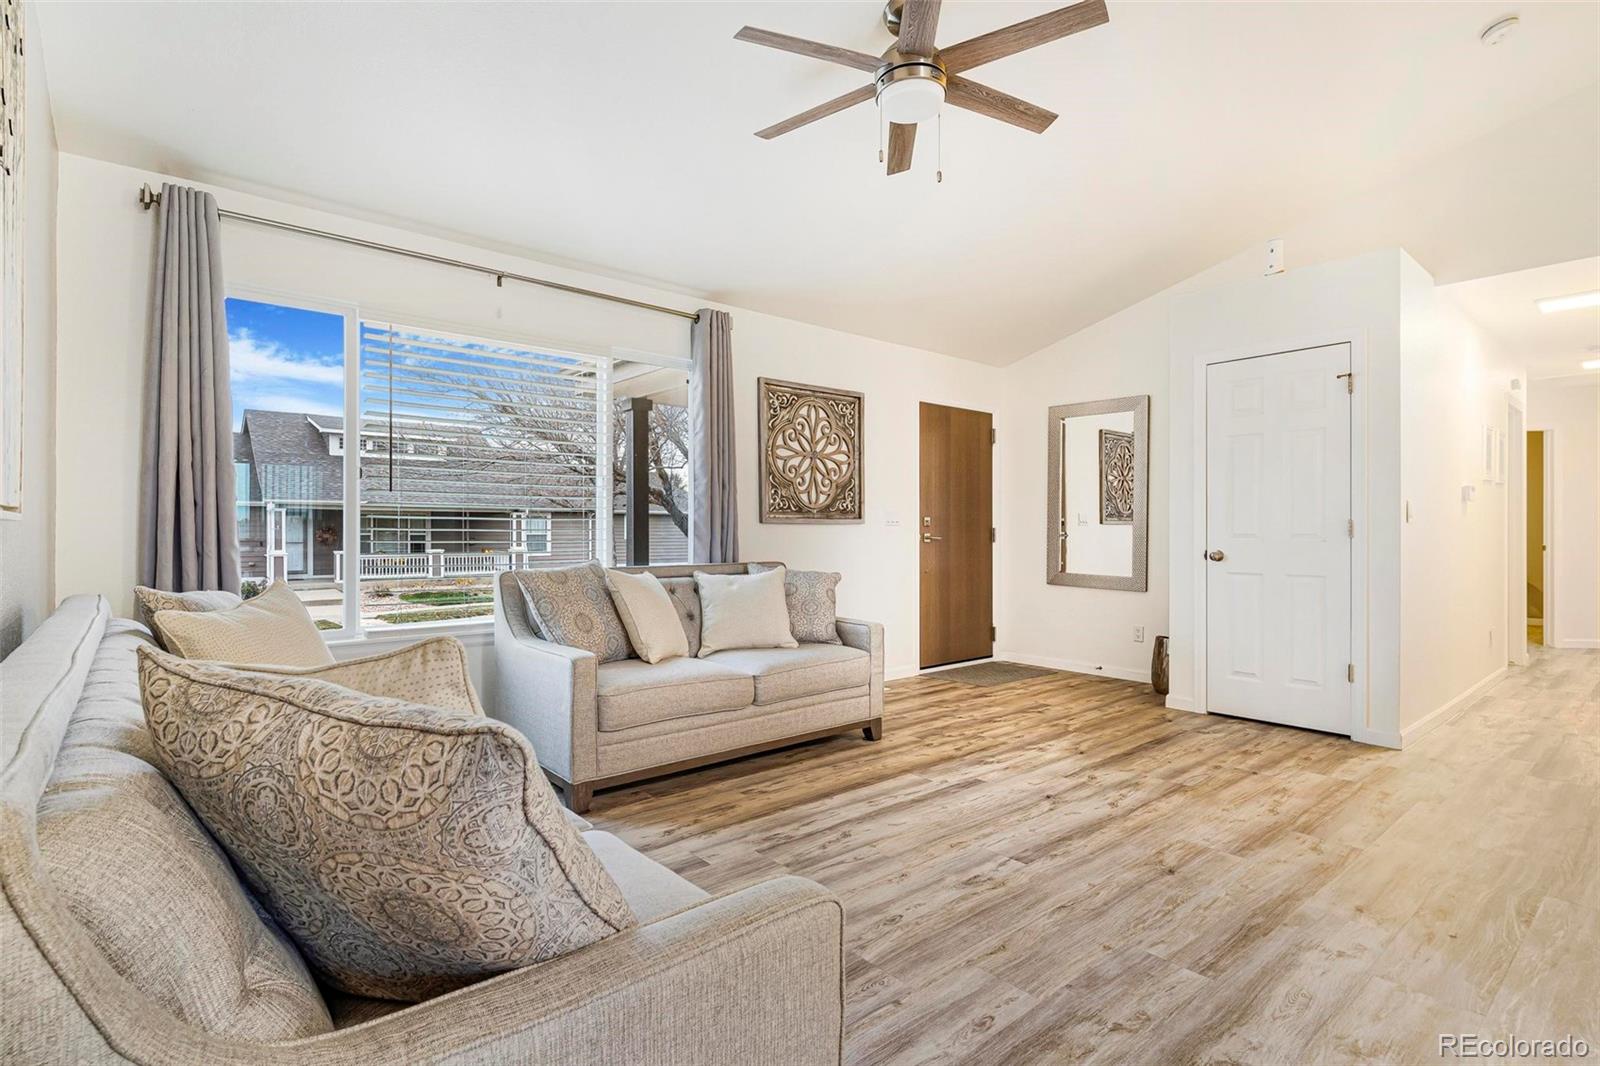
(648, 616)
(408, 850)
(274, 629)
(743, 611)
(432, 671)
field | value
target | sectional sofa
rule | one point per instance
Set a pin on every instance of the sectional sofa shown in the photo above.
(127, 936)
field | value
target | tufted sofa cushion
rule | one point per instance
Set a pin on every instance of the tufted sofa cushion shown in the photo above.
(147, 881)
(686, 601)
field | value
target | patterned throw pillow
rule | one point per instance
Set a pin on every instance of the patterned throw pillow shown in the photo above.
(273, 628)
(812, 606)
(571, 605)
(408, 850)
(147, 601)
(432, 671)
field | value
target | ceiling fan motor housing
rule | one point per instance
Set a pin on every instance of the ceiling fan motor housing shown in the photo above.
(909, 88)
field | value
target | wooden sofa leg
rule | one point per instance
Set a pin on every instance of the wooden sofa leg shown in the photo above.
(578, 797)
(873, 729)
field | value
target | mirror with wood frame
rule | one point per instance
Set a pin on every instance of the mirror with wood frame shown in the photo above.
(1098, 520)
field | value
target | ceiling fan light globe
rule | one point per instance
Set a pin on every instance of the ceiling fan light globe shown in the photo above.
(911, 101)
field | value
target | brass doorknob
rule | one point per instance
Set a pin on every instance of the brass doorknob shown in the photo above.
(1214, 555)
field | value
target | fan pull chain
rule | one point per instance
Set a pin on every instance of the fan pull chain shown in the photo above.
(938, 174)
(880, 134)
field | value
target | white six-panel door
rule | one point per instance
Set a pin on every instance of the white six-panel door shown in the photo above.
(1278, 538)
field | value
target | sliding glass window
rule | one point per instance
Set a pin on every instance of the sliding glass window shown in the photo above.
(389, 470)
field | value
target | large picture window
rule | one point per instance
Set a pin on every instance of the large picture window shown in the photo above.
(469, 456)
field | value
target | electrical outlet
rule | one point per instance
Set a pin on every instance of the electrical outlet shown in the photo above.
(1138, 634)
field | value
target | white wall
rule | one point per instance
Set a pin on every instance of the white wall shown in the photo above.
(26, 593)
(1455, 380)
(1568, 410)
(1058, 625)
(105, 268)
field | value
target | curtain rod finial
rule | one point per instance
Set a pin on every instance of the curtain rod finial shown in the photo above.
(148, 197)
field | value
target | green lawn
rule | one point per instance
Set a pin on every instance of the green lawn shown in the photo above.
(442, 614)
(449, 597)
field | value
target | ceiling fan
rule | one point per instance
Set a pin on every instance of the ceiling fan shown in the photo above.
(913, 78)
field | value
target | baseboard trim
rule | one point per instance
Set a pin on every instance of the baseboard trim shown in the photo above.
(1182, 703)
(1382, 738)
(1076, 666)
(1576, 642)
(1439, 716)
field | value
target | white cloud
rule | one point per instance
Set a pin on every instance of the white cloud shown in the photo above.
(301, 403)
(250, 358)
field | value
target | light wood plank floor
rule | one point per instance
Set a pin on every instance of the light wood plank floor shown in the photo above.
(1061, 870)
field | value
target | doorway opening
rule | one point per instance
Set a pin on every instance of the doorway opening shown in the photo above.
(1538, 546)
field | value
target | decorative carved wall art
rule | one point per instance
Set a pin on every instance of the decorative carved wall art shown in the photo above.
(811, 466)
(1116, 478)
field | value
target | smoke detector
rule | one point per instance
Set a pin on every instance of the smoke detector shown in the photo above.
(1499, 31)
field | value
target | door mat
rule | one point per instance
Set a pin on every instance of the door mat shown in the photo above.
(988, 674)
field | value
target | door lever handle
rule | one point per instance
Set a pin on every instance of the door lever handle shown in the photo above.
(1215, 555)
(929, 538)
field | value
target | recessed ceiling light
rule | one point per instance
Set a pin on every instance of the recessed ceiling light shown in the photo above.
(1574, 302)
(1499, 31)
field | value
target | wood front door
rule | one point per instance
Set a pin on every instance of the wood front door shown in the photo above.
(1278, 531)
(955, 535)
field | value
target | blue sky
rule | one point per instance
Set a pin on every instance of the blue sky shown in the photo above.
(285, 359)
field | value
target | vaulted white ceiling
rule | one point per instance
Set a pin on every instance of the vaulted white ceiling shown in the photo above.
(1550, 345)
(620, 136)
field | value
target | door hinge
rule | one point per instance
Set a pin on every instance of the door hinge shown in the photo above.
(1350, 672)
(991, 436)
(1349, 381)
(991, 633)
(993, 536)
(1350, 527)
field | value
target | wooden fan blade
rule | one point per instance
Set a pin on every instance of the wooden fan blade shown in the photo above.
(919, 20)
(902, 139)
(968, 94)
(1029, 33)
(837, 104)
(800, 46)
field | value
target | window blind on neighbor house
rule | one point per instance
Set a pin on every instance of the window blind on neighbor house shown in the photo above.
(473, 447)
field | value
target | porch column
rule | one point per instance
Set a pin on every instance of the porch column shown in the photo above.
(636, 442)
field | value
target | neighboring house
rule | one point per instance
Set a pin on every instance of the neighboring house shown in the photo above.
(289, 471)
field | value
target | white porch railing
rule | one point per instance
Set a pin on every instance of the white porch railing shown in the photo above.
(436, 563)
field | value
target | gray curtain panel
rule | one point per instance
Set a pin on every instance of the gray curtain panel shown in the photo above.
(188, 540)
(715, 493)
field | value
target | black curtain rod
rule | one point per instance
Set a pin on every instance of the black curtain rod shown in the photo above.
(148, 198)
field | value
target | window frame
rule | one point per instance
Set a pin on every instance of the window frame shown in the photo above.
(353, 314)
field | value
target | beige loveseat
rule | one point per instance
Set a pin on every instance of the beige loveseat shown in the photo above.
(126, 936)
(596, 725)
